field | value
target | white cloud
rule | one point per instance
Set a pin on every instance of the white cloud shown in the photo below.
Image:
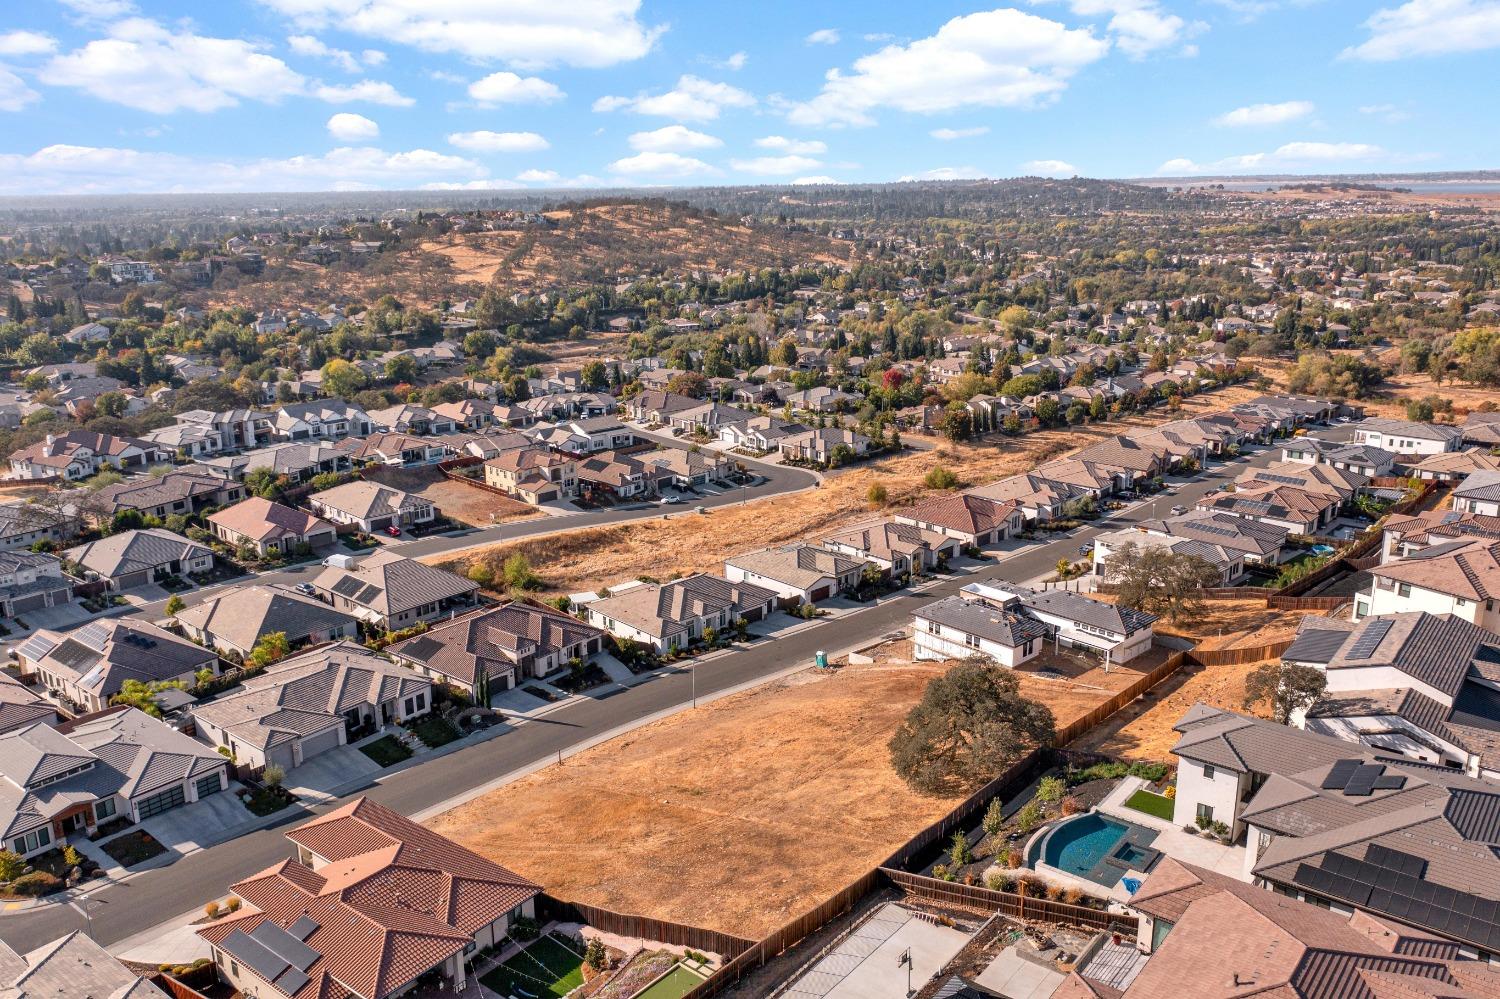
(1139, 27)
(949, 134)
(997, 58)
(352, 127)
(368, 91)
(735, 62)
(816, 179)
(946, 173)
(313, 47)
(823, 36)
(692, 99)
(1390, 113)
(538, 176)
(551, 178)
(14, 93)
(1429, 27)
(1292, 155)
(499, 142)
(24, 43)
(1265, 114)
(144, 65)
(522, 33)
(654, 164)
(673, 138)
(99, 10)
(68, 169)
(1050, 168)
(801, 146)
(508, 88)
(373, 57)
(494, 184)
(776, 165)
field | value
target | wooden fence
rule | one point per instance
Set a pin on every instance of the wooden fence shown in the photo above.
(1239, 657)
(174, 988)
(1080, 726)
(1010, 904)
(644, 927)
(1305, 603)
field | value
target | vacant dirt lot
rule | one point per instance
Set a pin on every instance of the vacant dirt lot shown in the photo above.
(465, 504)
(736, 816)
(591, 559)
(1398, 390)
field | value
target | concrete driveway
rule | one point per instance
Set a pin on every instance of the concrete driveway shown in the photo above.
(324, 775)
(200, 823)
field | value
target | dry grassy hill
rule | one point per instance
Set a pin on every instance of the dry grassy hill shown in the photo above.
(607, 243)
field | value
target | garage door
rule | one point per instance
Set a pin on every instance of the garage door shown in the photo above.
(753, 613)
(35, 601)
(205, 786)
(320, 743)
(162, 801)
(821, 593)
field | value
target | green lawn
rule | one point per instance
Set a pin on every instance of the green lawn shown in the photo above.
(387, 751)
(545, 968)
(435, 731)
(1152, 804)
(673, 985)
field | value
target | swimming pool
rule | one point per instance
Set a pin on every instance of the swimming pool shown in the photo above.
(1098, 849)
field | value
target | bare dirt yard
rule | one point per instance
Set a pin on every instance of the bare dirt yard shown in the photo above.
(736, 816)
(466, 504)
(597, 557)
(1398, 390)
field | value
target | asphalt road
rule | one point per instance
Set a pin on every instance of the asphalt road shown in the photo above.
(124, 909)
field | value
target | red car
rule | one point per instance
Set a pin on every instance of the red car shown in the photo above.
(393, 531)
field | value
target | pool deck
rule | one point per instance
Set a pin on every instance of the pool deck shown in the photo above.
(864, 964)
(1171, 839)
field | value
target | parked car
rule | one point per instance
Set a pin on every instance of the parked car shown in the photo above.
(393, 531)
(671, 498)
(1179, 510)
(1086, 549)
(306, 589)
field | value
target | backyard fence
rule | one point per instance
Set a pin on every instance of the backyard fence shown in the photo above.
(1081, 725)
(1239, 657)
(1305, 603)
(1010, 904)
(174, 988)
(643, 927)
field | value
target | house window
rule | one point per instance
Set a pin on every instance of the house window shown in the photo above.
(103, 809)
(421, 702)
(933, 628)
(1208, 771)
(972, 641)
(1205, 812)
(34, 840)
(411, 707)
(1403, 589)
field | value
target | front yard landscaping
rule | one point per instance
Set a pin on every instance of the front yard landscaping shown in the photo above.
(266, 800)
(133, 848)
(435, 731)
(386, 751)
(586, 677)
(547, 967)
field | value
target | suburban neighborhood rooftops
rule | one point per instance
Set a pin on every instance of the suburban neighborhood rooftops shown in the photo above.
(265, 520)
(135, 551)
(497, 636)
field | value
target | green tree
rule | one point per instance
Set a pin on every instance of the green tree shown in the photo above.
(1159, 581)
(518, 574)
(994, 817)
(876, 495)
(142, 696)
(271, 647)
(11, 865)
(1285, 688)
(956, 423)
(263, 482)
(341, 378)
(938, 477)
(175, 603)
(971, 723)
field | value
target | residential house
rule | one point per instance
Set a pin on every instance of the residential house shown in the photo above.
(760, 434)
(20, 706)
(533, 475)
(1119, 634)
(499, 647)
(1460, 577)
(1450, 466)
(1257, 542)
(78, 454)
(370, 506)
(820, 445)
(708, 417)
(418, 421)
(1342, 827)
(956, 628)
(1479, 493)
(1405, 534)
(135, 558)
(672, 466)
(1223, 937)
(399, 450)
(32, 581)
(296, 461)
(674, 615)
(1296, 510)
(270, 528)
(23, 524)
(972, 520)
(1364, 459)
(325, 924)
(179, 491)
(236, 429)
(312, 702)
(1482, 429)
(1323, 480)
(391, 592)
(58, 783)
(1426, 686)
(656, 406)
(67, 965)
(822, 399)
(1230, 564)
(322, 419)
(233, 620)
(895, 547)
(616, 477)
(799, 573)
(83, 668)
(1407, 436)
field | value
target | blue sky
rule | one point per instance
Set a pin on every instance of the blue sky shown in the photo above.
(116, 96)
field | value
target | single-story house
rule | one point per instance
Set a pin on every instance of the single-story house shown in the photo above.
(270, 527)
(139, 557)
(233, 620)
(798, 573)
(370, 506)
(84, 668)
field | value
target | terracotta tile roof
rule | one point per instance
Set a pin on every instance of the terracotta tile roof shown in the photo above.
(964, 513)
(264, 520)
(389, 900)
(1468, 569)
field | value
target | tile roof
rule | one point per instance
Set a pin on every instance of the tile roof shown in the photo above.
(134, 551)
(364, 500)
(386, 583)
(264, 520)
(798, 564)
(102, 655)
(240, 615)
(965, 513)
(1008, 626)
(1468, 569)
(391, 900)
(664, 610)
(497, 637)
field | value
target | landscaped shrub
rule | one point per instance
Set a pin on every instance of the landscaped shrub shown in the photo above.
(1029, 817)
(211, 910)
(1071, 806)
(36, 883)
(994, 817)
(525, 928)
(1050, 789)
(959, 853)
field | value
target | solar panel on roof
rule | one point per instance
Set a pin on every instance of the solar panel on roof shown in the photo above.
(282, 943)
(348, 586)
(291, 982)
(369, 594)
(303, 927)
(254, 955)
(1390, 782)
(1339, 774)
(1370, 639)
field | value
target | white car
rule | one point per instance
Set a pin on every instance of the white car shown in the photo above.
(672, 498)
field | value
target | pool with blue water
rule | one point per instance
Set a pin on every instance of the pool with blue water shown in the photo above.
(1098, 848)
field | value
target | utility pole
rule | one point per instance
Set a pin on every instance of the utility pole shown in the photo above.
(905, 959)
